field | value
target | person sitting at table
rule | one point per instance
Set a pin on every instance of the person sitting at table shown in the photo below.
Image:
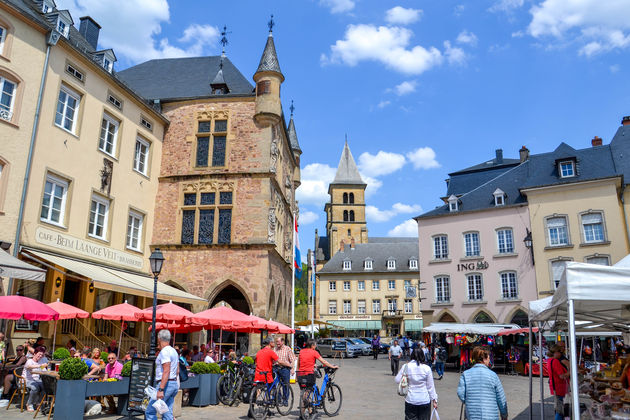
(9, 378)
(113, 369)
(208, 358)
(185, 357)
(94, 368)
(33, 381)
(196, 356)
(96, 360)
(71, 345)
(112, 348)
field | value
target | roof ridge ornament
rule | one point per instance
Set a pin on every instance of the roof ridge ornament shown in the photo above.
(292, 108)
(224, 41)
(271, 24)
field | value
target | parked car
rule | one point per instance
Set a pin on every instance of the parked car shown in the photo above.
(368, 340)
(366, 349)
(327, 347)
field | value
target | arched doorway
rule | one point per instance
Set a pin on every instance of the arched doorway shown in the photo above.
(230, 295)
(520, 318)
(446, 317)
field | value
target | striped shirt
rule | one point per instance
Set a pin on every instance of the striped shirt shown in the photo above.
(285, 354)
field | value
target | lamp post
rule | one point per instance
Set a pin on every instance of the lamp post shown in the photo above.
(156, 259)
(529, 243)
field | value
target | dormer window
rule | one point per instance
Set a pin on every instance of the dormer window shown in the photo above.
(566, 169)
(413, 264)
(367, 265)
(499, 197)
(48, 6)
(453, 203)
(347, 265)
(106, 58)
(62, 27)
(107, 65)
(391, 264)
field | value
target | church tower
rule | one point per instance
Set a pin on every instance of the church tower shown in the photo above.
(268, 78)
(345, 212)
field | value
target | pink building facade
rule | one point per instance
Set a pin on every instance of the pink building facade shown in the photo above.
(475, 265)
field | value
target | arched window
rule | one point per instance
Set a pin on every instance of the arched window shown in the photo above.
(483, 318)
(446, 317)
(351, 197)
(352, 215)
(345, 198)
(520, 318)
(345, 215)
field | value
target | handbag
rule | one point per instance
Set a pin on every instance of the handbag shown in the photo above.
(435, 415)
(403, 385)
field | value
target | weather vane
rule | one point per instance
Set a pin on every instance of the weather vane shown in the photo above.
(224, 40)
(271, 24)
(292, 108)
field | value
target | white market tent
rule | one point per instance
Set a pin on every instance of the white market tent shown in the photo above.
(589, 296)
(481, 329)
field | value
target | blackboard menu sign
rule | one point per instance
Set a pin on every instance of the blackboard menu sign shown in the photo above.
(339, 345)
(142, 375)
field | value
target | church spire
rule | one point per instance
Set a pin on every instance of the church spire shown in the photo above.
(293, 140)
(347, 171)
(268, 78)
(269, 60)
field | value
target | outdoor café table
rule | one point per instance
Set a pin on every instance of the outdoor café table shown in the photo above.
(56, 374)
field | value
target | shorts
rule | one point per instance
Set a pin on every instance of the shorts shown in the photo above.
(306, 381)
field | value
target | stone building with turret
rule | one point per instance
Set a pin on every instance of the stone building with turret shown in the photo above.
(230, 168)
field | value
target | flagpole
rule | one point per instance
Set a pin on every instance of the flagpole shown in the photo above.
(313, 270)
(293, 285)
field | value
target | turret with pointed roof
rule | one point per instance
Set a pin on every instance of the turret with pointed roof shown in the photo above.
(268, 78)
(347, 171)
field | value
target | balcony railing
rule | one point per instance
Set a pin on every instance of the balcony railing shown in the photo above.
(392, 313)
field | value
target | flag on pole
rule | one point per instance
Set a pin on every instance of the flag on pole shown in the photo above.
(297, 261)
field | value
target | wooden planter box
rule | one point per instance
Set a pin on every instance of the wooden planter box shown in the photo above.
(70, 399)
(206, 393)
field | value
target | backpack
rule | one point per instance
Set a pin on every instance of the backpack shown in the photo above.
(183, 371)
(443, 354)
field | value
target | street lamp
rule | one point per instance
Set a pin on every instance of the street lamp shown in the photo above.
(156, 259)
(529, 243)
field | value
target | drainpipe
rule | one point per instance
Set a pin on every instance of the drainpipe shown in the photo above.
(625, 215)
(53, 37)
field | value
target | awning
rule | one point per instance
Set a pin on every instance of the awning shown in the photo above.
(357, 325)
(413, 324)
(18, 269)
(118, 280)
(483, 329)
(512, 331)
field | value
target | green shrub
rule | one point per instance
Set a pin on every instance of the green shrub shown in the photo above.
(199, 368)
(126, 370)
(104, 355)
(214, 368)
(72, 369)
(248, 360)
(61, 353)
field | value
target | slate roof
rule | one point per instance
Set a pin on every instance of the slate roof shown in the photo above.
(620, 150)
(295, 145)
(347, 171)
(467, 179)
(323, 248)
(389, 240)
(183, 78)
(269, 59)
(402, 251)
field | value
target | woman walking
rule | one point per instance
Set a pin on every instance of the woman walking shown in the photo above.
(421, 391)
(481, 390)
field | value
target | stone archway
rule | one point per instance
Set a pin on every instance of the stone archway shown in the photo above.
(482, 317)
(447, 316)
(520, 318)
(229, 294)
(271, 310)
(279, 307)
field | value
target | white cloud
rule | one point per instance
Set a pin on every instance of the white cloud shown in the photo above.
(387, 45)
(308, 217)
(382, 163)
(374, 214)
(314, 186)
(401, 16)
(373, 185)
(459, 10)
(506, 6)
(406, 87)
(338, 6)
(423, 158)
(408, 228)
(596, 26)
(132, 28)
(468, 38)
(383, 104)
(454, 55)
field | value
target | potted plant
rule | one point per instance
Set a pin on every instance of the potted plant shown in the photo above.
(248, 360)
(71, 389)
(206, 393)
(61, 353)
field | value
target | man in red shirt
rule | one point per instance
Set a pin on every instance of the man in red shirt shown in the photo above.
(558, 379)
(264, 362)
(306, 366)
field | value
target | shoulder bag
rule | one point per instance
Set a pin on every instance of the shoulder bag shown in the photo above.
(403, 385)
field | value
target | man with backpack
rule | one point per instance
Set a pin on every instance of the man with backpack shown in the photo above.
(441, 356)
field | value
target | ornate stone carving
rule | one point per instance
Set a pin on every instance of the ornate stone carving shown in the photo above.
(275, 152)
(271, 228)
(106, 176)
(190, 187)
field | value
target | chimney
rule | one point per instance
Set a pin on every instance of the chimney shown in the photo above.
(597, 141)
(352, 243)
(625, 120)
(90, 29)
(524, 153)
(499, 156)
(342, 246)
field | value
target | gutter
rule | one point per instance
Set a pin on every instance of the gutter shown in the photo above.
(53, 37)
(625, 215)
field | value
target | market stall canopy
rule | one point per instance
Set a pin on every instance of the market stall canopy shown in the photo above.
(512, 331)
(166, 312)
(16, 307)
(601, 296)
(66, 311)
(115, 280)
(120, 312)
(481, 329)
(18, 269)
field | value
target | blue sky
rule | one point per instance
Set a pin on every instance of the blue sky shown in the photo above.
(421, 88)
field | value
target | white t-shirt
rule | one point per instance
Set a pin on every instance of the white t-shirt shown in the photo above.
(420, 379)
(28, 373)
(208, 359)
(167, 354)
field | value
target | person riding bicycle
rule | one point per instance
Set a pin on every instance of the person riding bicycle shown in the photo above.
(306, 364)
(264, 362)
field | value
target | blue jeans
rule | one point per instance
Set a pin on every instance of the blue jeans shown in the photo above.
(558, 403)
(439, 368)
(169, 398)
(285, 378)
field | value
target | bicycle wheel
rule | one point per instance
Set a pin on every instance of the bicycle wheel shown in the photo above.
(258, 407)
(283, 409)
(235, 392)
(332, 400)
(306, 409)
(223, 389)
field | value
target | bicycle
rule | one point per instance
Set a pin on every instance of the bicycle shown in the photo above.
(327, 397)
(229, 385)
(267, 395)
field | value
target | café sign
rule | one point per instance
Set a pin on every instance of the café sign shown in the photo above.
(74, 245)
(354, 317)
(473, 266)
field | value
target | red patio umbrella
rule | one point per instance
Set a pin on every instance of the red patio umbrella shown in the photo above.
(279, 328)
(222, 317)
(165, 312)
(121, 312)
(16, 307)
(65, 312)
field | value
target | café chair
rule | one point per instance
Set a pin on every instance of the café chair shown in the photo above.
(21, 388)
(50, 388)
